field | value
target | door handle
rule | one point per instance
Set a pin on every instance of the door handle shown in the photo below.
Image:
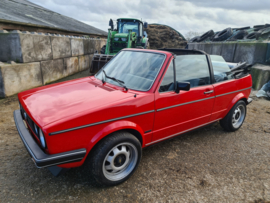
(209, 92)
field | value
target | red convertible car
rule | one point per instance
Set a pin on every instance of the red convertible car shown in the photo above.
(139, 98)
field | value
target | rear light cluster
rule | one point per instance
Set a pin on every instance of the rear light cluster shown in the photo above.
(38, 132)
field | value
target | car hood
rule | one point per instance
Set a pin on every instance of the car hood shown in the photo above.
(49, 104)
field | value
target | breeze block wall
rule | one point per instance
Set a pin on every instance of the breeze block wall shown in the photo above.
(29, 60)
(256, 53)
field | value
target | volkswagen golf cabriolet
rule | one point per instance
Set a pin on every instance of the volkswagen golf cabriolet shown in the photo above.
(139, 98)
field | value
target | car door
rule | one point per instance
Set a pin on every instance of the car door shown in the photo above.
(225, 86)
(180, 112)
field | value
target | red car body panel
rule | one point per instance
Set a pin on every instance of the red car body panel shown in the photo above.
(225, 101)
(178, 118)
(87, 101)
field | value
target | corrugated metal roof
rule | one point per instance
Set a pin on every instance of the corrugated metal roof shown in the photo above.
(25, 12)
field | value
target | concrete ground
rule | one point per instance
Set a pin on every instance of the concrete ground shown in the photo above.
(206, 165)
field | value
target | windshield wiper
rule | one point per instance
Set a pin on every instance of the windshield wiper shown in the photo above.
(114, 79)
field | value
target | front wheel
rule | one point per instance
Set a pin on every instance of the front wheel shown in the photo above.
(115, 159)
(235, 118)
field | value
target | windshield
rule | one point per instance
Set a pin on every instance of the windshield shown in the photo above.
(137, 70)
(124, 26)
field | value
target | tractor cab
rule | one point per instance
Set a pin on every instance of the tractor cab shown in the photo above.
(124, 25)
(126, 33)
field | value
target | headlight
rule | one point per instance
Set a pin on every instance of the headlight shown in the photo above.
(42, 139)
(124, 39)
(116, 39)
(36, 129)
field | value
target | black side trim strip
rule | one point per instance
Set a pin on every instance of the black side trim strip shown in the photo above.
(233, 92)
(179, 133)
(161, 109)
(148, 131)
(184, 104)
(39, 157)
(101, 122)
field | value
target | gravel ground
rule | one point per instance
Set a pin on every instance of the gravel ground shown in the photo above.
(206, 165)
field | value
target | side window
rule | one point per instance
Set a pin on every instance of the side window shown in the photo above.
(167, 83)
(193, 69)
(221, 69)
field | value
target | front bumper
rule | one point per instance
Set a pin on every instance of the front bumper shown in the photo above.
(39, 157)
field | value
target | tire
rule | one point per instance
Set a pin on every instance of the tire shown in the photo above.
(206, 35)
(235, 118)
(194, 39)
(223, 35)
(239, 35)
(242, 28)
(259, 33)
(112, 154)
(257, 29)
(103, 49)
(258, 26)
(212, 38)
(266, 25)
(252, 35)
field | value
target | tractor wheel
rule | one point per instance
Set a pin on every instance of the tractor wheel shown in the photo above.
(103, 49)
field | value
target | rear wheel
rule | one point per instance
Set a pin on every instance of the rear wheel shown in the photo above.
(115, 159)
(235, 118)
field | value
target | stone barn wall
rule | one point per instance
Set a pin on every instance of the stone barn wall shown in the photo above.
(28, 60)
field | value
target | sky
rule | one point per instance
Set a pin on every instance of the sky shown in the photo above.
(184, 16)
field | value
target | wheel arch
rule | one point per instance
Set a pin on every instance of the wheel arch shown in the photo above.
(114, 127)
(238, 97)
(245, 100)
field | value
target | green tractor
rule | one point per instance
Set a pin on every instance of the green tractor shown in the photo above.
(129, 33)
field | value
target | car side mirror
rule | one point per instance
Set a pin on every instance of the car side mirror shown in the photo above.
(182, 86)
(145, 25)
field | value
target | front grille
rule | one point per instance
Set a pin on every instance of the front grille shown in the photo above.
(29, 121)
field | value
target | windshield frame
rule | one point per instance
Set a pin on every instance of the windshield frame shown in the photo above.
(165, 56)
